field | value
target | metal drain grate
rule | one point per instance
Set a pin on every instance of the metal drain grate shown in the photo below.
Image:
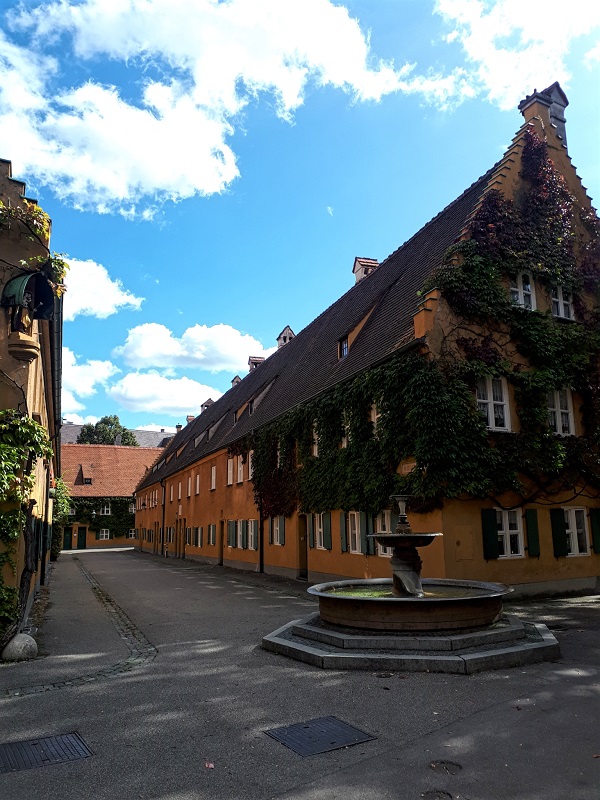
(16, 756)
(319, 736)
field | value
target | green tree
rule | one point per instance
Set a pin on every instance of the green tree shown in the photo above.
(106, 431)
(60, 516)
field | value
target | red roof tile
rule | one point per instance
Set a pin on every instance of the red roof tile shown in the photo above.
(114, 470)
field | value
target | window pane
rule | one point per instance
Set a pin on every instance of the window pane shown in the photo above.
(482, 389)
(483, 408)
(513, 522)
(515, 549)
(497, 390)
(499, 420)
(526, 283)
(563, 400)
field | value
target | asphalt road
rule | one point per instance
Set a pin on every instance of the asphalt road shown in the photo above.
(176, 705)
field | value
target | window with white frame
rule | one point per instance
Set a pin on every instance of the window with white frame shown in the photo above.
(276, 530)
(374, 415)
(104, 509)
(212, 534)
(354, 531)
(213, 477)
(492, 401)
(383, 525)
(250, 464)
(562, 303)
(522, 292)
(239, 535)
(131, 533)
(314, 447)
(240, 469)
(104, 533)
(253, 534)
(577, 534)
(510, 533)
(197, 483)
(189, 488)
(179, 490)
(343, 348)
(345, 432)
(229, 471)
(560, 412)
(171, 493)
(188, 536)
(318, 529)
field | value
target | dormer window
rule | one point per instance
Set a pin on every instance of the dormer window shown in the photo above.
(343, 348)
(87, 481)
(251, 406)
(562, 303)
(522, 292)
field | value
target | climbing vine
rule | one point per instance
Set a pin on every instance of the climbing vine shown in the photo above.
(427, 410)
(22, 442)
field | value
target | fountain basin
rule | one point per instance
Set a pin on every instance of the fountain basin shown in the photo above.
(447, 605)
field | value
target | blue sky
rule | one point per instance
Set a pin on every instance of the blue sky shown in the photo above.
(212, 169)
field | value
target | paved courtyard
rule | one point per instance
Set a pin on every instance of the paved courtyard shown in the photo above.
(157, 665)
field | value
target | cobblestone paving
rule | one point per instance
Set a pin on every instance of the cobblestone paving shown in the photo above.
(140, 649)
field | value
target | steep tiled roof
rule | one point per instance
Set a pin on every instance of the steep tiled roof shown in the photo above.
(69, 433)
(114, 470)
(309, 365)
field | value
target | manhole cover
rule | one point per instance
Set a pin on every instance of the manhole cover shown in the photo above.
(16, 756)
(447, 767)
(319, 736)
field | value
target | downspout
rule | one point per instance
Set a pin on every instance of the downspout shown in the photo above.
(163, 498)
(45, 529)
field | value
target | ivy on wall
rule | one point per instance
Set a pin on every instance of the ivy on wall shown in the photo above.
(427, 406)
(22, 442)
(118, 522)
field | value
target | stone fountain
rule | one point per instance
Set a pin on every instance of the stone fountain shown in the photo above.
(409, 623)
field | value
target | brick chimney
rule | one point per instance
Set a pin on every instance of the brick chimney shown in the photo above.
(189, 418)
(236, 380)
(178, 427)
(206, 404)
(363, 267)
(254, 362)
(549, 104)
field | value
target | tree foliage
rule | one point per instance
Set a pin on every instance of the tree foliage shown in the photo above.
(106, 431)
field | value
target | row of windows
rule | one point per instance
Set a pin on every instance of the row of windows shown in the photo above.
(492, 401)
(510, 532)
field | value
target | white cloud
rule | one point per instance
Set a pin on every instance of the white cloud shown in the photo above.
(92, 292)
(197, 64)
(81, 380)
(214, 348)
(329, 210)
(77, 419)
(515, 46)
(155, 394)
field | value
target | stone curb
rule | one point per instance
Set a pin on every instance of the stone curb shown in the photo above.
(141, 650)
(540, 646)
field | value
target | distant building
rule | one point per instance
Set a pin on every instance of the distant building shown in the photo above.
(102, 479)
(70, 431)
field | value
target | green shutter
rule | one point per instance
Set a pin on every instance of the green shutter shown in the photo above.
(110, 535)
(595, 525)
(327, 530)
(533, 534)
(343, 532)
(97, 535)
(489, 530)
(255, 526)
(371, 544)
(231, 532)
(364, 542)
(282, 530)
(245, 534)
(200, 536)
(310, 529)
(270, 530)
(559, 532)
